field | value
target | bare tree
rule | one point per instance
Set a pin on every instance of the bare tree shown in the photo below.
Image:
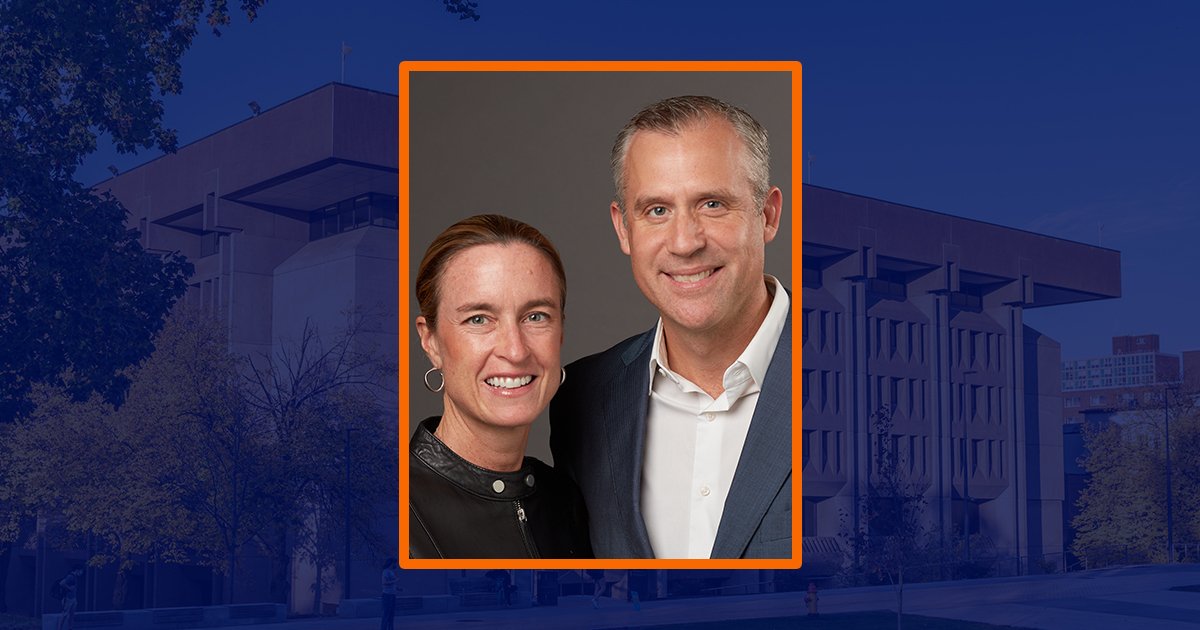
(327, 404)
(893, 539)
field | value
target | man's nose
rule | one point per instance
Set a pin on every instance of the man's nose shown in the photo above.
(687, 234)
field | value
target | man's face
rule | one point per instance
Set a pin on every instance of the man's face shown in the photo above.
(692, 227)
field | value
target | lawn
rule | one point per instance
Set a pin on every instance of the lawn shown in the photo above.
(872, 620)
(13, 622)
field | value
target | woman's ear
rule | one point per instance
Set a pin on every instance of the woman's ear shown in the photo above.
(429, 342)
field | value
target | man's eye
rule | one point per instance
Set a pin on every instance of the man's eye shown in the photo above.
(712, 204)
(538, 317)
(657, 211)
(477, 320)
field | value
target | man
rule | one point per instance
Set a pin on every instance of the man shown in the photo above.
(388, 580)
(69, 586)
(680, 438)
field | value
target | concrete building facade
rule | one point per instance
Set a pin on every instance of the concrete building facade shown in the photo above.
(286, 230)
(921, 314)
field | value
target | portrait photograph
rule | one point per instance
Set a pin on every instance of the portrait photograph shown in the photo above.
(536, 146)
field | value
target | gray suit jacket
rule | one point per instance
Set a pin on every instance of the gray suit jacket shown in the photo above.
(598, 429)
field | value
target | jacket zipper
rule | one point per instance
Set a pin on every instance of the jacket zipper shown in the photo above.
(523, 525)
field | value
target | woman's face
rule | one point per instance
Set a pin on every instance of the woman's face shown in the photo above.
(498, 335)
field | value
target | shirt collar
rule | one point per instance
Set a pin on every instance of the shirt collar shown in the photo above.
(756, 356)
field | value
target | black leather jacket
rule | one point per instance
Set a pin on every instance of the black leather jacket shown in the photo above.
(459, 510)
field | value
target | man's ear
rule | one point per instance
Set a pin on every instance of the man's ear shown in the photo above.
(429, 342)
(772, 213)
(622, 230)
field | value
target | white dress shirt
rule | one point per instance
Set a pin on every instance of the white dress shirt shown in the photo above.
(694, 441)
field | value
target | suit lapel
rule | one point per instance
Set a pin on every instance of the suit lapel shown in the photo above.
(625, 428)
(766, 460)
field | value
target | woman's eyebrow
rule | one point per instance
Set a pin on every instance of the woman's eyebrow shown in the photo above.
(484, 306)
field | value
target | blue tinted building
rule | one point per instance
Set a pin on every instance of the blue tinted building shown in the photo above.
(920, 315)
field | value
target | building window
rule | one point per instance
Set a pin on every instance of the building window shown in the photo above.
(966, 302)
(350, 214)
(362, 210)
(383, 211)
(969, 297)
(812, 273)
(210, 243)
(889, 285)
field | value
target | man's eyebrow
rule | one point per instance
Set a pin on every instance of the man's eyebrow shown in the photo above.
(475, 306)
(541, 303)
(642, 202)
(716, 193)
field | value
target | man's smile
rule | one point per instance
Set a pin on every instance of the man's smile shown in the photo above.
(692, 277)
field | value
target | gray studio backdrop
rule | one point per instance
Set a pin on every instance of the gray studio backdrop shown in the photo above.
(535, 146)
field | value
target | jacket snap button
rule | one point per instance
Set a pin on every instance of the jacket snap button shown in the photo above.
(498, 486)
(529, 480)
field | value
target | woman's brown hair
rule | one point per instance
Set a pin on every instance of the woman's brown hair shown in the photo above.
(481, 229)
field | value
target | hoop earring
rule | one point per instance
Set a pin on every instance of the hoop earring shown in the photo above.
(440, 386)
(564, 376)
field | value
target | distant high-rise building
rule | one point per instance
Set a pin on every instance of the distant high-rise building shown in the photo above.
(1191, 369)
(1130, 377)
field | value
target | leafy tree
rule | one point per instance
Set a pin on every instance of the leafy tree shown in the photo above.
(464, 9)
(252, 449)
(212, 455)
(79, 298)
(82, 468)
(215, 459)
(170, 476)
(1122, 514)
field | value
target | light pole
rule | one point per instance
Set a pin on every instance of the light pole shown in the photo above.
(346, 591)
(1167, 446)
(966, 510)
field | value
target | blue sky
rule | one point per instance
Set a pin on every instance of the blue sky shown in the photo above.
(1073, 120)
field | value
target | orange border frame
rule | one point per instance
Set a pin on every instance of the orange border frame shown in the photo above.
(408, 67)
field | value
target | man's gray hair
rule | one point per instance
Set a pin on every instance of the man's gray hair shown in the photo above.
(671, 116)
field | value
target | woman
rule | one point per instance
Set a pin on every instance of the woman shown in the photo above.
(491, 292)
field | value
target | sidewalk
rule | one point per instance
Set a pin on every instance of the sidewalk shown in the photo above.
(1119, 598)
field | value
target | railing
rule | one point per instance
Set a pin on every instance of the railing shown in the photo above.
(1119, 555)
(721, 590)
(959, 569)
(1186, 552)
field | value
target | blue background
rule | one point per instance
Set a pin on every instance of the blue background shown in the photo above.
(1076, 121)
